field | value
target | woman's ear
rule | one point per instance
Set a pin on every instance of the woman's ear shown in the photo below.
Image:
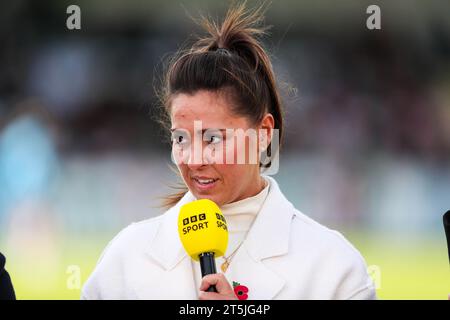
(265, 131)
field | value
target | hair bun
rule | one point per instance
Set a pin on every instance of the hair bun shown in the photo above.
(238, 33)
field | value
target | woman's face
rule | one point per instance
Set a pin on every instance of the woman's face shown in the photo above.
(210, 154)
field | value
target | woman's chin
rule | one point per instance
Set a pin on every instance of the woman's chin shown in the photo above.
(213, 197)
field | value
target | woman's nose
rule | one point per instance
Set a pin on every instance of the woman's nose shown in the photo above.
(196, 158)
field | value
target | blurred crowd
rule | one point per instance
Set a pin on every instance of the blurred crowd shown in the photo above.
(367, 114)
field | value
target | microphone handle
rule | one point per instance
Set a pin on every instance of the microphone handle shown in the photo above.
(446, 219)
(208, 266)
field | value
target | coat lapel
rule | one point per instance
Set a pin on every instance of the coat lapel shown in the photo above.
(167, 251)
(262, 283)
(268, 238)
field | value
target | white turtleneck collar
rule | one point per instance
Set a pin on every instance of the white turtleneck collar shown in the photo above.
(240, 214)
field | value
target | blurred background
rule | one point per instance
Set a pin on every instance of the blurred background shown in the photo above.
(367, 147)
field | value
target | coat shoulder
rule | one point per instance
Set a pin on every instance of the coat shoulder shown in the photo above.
(137, 233)
(322, 236)
(329, 252)
(106, 280)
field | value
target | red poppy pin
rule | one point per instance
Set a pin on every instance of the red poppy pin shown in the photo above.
(240, 291)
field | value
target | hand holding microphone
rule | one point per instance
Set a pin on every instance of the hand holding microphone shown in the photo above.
(204, 235)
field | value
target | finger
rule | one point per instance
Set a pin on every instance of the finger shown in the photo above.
(218, 280)
(204, 295)
(209, 280)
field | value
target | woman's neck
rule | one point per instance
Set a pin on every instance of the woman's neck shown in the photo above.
(256, 188)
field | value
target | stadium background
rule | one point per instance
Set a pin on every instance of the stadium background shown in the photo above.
(367, 146)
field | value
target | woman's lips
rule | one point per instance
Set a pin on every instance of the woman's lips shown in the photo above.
(204, 184)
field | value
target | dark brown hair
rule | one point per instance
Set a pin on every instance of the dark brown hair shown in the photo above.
(229, 59)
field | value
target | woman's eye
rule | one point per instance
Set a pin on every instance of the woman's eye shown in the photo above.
(179, 139)
(214, 139)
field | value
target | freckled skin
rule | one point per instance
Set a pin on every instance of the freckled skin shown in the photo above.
(235, 181)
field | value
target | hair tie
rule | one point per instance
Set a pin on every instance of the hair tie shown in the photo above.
(223, 51)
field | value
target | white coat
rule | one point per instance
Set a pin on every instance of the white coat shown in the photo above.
(286, 255)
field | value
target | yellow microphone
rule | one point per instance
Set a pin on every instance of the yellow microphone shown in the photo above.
(203, 233)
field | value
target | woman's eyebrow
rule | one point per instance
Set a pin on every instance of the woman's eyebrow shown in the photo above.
(214, 129)
(203, 130)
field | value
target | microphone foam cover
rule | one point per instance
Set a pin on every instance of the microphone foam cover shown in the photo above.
(202, 228)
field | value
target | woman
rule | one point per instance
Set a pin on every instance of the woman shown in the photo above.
(221, 86)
